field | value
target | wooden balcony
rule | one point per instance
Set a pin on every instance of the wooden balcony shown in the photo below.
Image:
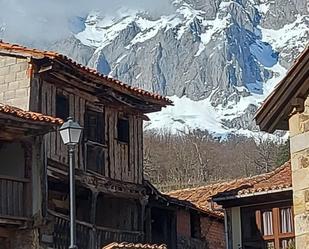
(12, 199)
(88, 235)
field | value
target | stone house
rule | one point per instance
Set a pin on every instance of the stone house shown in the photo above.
(287, 108)
(259, 211)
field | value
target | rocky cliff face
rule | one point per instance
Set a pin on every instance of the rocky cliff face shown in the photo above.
(221, 56)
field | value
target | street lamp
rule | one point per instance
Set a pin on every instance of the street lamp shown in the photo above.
(70, 133)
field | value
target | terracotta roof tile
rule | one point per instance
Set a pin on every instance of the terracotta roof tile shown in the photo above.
(14, 48)
(31, 116)
(278, 179)
(125, 245)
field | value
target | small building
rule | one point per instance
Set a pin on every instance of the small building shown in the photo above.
(259, 211)
(205, 225)
(287, 108)
(182, 223)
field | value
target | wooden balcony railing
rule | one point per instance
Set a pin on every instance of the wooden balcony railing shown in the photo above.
(89, 236)
(12, 197)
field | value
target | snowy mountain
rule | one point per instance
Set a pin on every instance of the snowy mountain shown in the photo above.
(216, 59)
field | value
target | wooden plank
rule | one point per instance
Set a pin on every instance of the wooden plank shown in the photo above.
(21, 199)
(76, 117)
(9, 198)
(106, 139)
(82, 107)
(122, 169)
(14, 199)
(44, 111)
(131, 166)
(116, 148)
(2, 197)
(49, 112)
(126, 162)
(139, 149)
(52, 100)
(111, 139)
(136, 151)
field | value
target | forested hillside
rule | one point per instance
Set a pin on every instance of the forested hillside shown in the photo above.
(196, 158)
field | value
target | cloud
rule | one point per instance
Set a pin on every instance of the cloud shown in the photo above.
(48, 20)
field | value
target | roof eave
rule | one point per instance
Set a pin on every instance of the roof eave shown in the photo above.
(276, 110)
(241, 196)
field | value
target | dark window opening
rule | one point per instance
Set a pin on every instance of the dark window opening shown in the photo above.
(163, 229)
(117, 213)
(95, 159)
(94, 126)
(62, 107)
(123, 130)
(195, 226)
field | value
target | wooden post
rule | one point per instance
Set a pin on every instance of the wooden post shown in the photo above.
(93, 210)
(143, 203)
(147, 227)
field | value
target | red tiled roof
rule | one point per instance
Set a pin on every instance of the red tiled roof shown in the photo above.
(31, 116)
(113, 83)
(125, 245)
(280, 178)
(180, 202)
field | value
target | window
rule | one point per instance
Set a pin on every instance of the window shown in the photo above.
(95, 158)
(286, 220)
(270, 228)
(195, 226)
(94, 133)
(267, 221)
(94, 126)
(123, 130)
(62, 107)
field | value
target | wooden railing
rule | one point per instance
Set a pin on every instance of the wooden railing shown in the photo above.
(12, 197)
(89, 236)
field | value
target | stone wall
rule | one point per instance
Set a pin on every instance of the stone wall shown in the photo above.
(14, 82)
(299, 141)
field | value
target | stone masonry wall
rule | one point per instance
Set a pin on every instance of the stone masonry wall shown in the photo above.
(299, 141)
(14, 81)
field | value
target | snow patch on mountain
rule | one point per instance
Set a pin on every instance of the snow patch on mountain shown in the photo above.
(188, 114)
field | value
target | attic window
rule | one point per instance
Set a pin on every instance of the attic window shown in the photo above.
(123, 130)
(62, 107)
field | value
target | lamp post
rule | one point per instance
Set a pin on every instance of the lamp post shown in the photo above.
(70, 133)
